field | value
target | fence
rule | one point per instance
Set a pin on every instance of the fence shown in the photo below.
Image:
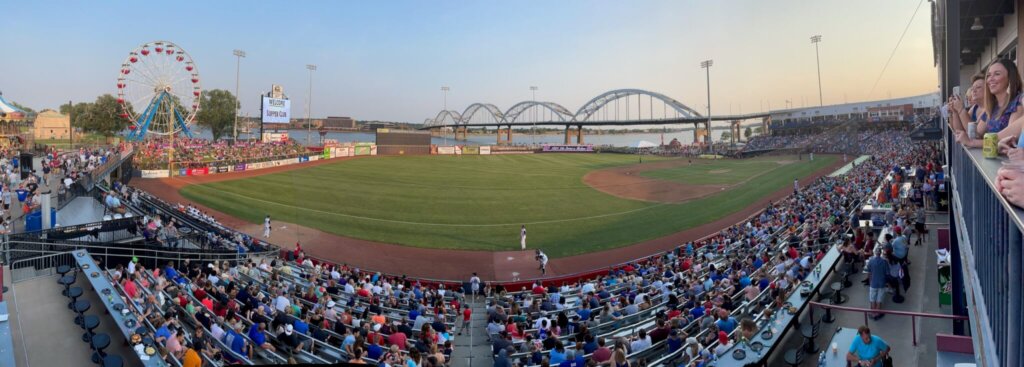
(988, 232)
(46, 256)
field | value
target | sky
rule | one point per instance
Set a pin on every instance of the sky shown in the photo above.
(386, 60)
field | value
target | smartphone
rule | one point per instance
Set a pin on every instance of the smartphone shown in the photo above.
(956, 92)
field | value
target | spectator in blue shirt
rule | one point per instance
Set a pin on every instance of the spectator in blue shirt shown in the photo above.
(697, 312)
(867, 348)
(725, 322)
(878, 269)
(301, 326)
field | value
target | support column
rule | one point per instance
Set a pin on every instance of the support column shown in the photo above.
(567, 140)
(579, 134)
(501, 135)
(508, 139)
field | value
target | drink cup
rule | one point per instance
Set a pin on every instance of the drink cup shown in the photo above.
(972, 130)
(835, 349)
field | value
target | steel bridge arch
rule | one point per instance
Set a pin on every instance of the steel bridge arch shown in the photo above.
(452, 117)
(495, 112)
(561, 112)
(595, 104)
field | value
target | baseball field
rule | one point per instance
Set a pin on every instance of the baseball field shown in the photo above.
(570, 203)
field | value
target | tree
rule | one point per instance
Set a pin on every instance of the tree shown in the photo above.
(748, 132)
(101, 117)
(726, 135)
(76, 112)
(217, 112)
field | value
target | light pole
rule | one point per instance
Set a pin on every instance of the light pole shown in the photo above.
(444, 90)
(239, 54)
(309, 103)
(533, 90)
(815, 40)
(706, 64)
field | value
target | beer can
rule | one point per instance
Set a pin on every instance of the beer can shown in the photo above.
(989, 146)
(972, 130)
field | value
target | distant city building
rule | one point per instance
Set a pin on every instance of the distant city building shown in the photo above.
(923, 104)
(890, 113)
(51, 124)
(339, 122)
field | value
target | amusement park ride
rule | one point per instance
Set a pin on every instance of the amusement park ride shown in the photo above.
(162, 77)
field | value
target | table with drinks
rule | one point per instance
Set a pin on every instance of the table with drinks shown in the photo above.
(835, 355)
(112, 302)
(772, 331)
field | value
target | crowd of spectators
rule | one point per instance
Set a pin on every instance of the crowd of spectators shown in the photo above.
(198, 153)
(293, 307)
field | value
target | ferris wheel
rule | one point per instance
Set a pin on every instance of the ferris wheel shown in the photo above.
(158, 90)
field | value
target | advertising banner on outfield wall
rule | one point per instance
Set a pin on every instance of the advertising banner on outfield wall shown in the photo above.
(445, 150)
(485, 150)
(473, 150)
(183, 172)
(362, 150)
(222, 169)
(314, 158)
(549, 148)
(153, 173)
(373, 150)
(303, 159)
(199, 171)
(240, 167)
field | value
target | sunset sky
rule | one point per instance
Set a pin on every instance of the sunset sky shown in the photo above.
(387, 60)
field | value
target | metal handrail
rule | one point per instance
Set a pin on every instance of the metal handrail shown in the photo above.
(142, 253)
(50, 261)
(866, 311)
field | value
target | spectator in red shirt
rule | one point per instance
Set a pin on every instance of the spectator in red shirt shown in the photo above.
(602, 354)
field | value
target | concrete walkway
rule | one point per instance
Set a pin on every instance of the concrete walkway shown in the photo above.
(472, 347)
(44, 330)
(896, 330)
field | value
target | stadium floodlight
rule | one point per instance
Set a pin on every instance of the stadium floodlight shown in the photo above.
(309, 103)
(445, 89)
(533, 134)
(816, 39)
(706, 64)
(239, 54)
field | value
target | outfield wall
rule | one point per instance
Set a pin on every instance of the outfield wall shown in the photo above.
(215, 168)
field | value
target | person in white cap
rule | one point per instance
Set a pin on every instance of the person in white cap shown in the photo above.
(266, 226)
(290, 340)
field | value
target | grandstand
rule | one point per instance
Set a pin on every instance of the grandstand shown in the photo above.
(876, 220)
(234, 298)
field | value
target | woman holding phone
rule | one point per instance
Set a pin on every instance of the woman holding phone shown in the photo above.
(962, 116)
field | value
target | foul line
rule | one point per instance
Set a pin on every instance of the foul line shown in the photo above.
(430, 224)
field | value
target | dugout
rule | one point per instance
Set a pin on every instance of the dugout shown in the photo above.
(395, 142)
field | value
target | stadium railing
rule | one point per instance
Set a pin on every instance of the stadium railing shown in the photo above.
(988, 231)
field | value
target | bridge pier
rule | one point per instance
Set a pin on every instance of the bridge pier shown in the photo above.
(735, 128)
(569, 132)
(460, 133)
(504, 135)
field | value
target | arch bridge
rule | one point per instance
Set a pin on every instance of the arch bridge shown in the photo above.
(620, 107)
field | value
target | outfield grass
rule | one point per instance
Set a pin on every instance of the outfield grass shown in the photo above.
(719, 172)
(477, 202)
